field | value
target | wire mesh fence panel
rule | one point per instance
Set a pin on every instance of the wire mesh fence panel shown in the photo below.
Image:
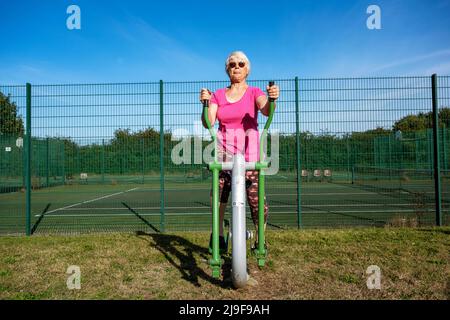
(443, 98)
(187, 182)
(362, 124)
(93, 157)
(281, 185)
(12, 159)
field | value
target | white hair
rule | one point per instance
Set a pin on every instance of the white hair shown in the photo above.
(238, 54)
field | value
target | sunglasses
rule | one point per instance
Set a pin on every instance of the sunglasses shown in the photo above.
(233, 64)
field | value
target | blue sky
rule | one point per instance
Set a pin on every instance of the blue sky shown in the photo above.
(143, 41)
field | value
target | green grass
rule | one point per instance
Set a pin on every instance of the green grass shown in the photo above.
(310, 264)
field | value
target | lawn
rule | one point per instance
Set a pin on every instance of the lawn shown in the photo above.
(305, 264)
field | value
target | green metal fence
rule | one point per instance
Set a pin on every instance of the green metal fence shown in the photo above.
(442, 105)
(99, 157)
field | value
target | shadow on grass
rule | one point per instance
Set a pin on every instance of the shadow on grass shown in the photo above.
(39, 220)
(185, 255)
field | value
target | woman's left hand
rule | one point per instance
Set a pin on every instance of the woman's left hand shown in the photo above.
(273, 92)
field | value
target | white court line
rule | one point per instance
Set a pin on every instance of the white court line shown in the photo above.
(87, 201)
(342, 205)
(347, 211)
(272, 206)
(208, 213)
(130, 214)
(335, 193)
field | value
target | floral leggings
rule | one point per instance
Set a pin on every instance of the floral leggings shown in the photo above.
(251, 184)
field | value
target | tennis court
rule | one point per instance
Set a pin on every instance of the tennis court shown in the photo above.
(137, 206)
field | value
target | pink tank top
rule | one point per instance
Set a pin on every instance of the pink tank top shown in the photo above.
(238, 123)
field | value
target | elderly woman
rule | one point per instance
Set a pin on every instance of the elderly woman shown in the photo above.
(236, 108)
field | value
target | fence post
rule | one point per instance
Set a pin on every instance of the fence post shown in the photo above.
(161, 153)
(390, 156)
(436, 153)
(47, 155)
(416, 150)
(299, 168)
(143, 159)
(78, 160)
(103, 161)
(347, 144)
(24, 162)
(28, 162)
(429, 150)
(63, 155)
(444, 146)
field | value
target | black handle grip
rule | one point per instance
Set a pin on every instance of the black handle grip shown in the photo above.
(271, 83)
(206, 102)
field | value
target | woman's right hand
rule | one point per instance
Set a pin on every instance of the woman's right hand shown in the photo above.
(205, 94)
